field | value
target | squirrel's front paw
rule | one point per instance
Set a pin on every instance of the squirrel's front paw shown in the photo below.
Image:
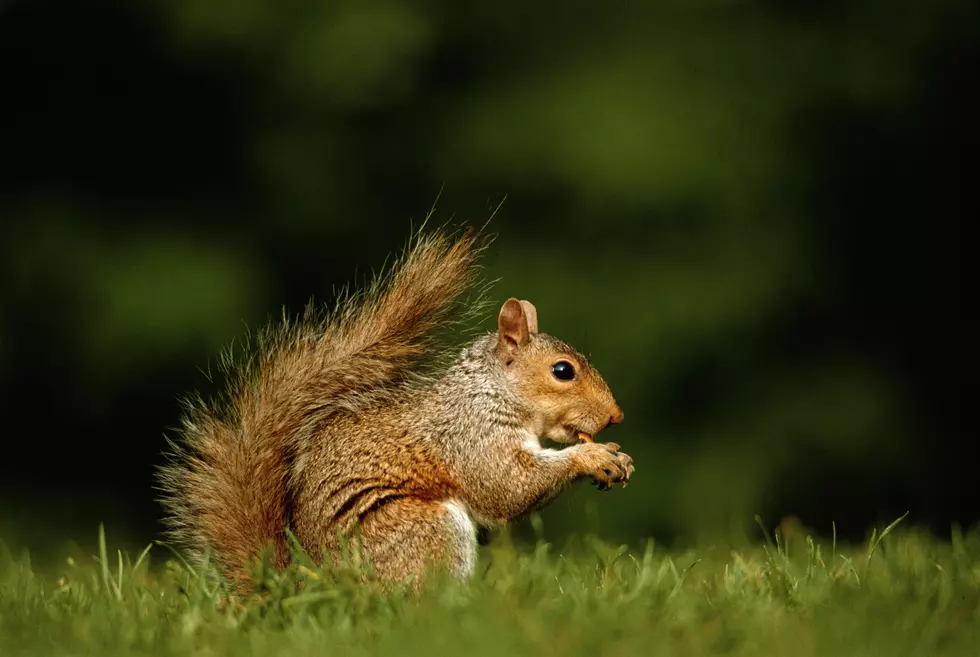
(606, 465)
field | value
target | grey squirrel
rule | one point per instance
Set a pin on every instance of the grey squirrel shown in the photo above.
(362, 418)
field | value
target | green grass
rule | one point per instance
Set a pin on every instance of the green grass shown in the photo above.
(903, 593)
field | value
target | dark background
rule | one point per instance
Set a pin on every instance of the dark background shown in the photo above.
(753, 215)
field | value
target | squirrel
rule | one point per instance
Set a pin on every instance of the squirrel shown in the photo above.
(362, 419)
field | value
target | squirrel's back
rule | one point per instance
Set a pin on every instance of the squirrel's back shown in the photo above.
(226, 486)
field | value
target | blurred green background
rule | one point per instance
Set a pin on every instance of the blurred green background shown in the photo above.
(753, 215)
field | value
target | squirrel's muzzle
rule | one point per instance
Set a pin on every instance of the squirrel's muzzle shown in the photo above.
(617, 416)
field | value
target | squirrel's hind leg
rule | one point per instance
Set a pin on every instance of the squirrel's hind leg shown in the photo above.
(408, 537)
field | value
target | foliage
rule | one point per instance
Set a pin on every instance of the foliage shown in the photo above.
(904, 593)
(747, 213)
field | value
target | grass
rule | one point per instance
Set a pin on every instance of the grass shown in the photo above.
(904, 593)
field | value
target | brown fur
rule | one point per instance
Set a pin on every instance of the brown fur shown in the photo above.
(349, 422)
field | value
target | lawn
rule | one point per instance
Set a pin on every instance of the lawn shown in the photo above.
(904, 592)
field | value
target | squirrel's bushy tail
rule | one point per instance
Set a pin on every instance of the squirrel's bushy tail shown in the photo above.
(226, 485)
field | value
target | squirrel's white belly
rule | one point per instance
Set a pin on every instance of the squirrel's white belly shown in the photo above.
(464, 535)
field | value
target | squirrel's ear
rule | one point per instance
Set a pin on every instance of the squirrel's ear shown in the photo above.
(513, 331)
(532, 316)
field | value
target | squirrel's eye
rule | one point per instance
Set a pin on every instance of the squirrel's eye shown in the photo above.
(563, 370)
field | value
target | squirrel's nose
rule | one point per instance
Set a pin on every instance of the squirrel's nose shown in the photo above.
(617, 416)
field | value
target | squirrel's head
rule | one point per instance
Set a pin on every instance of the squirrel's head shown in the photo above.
(571, 401)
